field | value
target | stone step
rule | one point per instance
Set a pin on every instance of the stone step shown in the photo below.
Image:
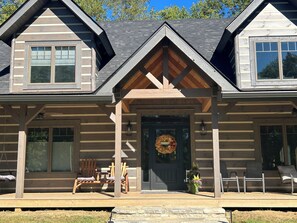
(167, 214)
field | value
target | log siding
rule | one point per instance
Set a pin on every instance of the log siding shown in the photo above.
(53, 23)
(238, 142)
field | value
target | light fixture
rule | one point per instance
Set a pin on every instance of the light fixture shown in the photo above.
(203, 131)
(129, 129)
(294, 112)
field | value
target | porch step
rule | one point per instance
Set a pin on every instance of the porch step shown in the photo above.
(167, 215)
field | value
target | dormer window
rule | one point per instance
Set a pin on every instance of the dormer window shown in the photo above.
(53, 65)
(275, 60)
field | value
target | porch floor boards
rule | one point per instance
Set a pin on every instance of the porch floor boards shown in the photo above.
(103, 200)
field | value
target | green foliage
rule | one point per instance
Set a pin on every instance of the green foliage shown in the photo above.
(207, 9)
(101, 10)
(7, 7)
(128, 9)
(173, 12)
(93, 8)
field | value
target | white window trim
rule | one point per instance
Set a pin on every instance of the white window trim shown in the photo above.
(253, 59)
(51, 86)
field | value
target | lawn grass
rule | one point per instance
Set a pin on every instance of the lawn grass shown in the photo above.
(65, 216)
(264, 217)
(59, 216)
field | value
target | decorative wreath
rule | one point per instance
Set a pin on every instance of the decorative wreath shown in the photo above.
(165, 144)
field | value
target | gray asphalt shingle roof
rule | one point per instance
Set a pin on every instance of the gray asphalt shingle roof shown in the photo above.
(127, 36)
(4, 68)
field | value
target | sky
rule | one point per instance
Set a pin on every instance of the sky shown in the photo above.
(161, 4)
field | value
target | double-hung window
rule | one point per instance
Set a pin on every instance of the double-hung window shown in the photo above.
(52, 65)
(275, 60)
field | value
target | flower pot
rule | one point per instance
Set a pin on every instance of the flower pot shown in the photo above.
(193, 188)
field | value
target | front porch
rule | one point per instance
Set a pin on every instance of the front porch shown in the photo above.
(230, 200)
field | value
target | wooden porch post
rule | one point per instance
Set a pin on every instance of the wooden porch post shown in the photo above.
(21, 161)
(118, 148)
(216, 146)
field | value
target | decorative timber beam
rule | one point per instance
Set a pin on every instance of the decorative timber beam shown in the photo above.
(118, 148)
(21, 160)
(166, 93)
(152, 78)
(165, 67)
(181, 76)
(33, 113)
(216, 145)
(206, 104)
(125, 105)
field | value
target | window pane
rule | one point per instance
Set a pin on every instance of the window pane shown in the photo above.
(289, 58)
(267, 61)
(37, 150)
(63, 139)
(145, 155)
(40, 65)
(65, 64)
(292, 144)
(271, 146)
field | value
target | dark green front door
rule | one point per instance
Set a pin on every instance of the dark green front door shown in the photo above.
(165, 152)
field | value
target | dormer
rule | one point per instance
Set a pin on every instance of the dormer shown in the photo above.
(263, 46)
(55, 48)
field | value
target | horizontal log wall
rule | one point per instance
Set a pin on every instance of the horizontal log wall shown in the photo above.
(54, 23)
(237, 142)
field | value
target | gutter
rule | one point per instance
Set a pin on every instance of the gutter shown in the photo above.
(7, 99)
(259, 95)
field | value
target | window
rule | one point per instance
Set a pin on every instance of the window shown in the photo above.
(50, 149)
(278, 145)
(46, 68)
(276, 60)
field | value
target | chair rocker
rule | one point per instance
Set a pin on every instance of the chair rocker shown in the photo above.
(124, 176)
(88, 174)
(224, 177)
(288, 174)
(254, 174)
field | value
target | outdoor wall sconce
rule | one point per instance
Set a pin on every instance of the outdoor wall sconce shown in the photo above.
(294, 112)
(203, 131)
(129, 129)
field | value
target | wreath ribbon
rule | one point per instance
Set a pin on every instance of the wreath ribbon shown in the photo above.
(165, 144)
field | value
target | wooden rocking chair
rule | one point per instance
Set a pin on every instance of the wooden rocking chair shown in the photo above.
(124, 176)
(88, 174)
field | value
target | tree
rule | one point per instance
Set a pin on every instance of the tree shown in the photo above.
(7, 7)
(218, 8)
(173, 12)
(94, 8)
(128, 9)
(139, 9)
(207, 9)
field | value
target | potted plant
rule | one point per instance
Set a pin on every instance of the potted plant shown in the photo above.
(194, 181)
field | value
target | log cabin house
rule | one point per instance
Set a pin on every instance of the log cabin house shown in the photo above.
(71, 89)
